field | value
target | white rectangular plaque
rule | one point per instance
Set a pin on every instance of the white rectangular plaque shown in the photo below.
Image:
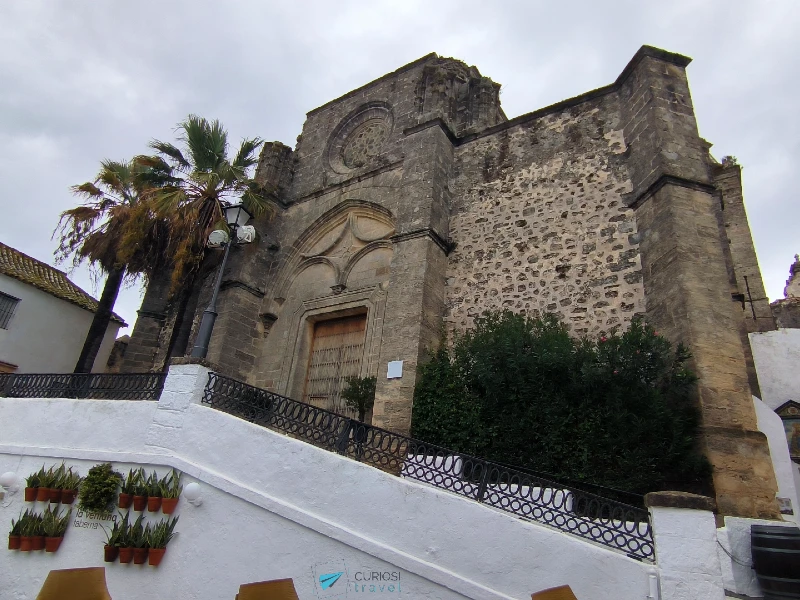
(395, 370)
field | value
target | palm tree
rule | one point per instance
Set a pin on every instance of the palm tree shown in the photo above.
(117, 231)
(201, 181)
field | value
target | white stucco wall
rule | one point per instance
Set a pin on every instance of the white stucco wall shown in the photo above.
(275, 507)
(771, 425)
(734, 551)
(777, 355)
(686, 550)
(46, 334)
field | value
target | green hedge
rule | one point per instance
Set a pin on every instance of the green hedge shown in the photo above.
(616, 411)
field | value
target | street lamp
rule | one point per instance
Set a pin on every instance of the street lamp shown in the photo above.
(236, 216)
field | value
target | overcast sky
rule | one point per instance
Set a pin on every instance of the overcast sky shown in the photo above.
(85, 80)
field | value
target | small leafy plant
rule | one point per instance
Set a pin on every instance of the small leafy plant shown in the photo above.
(359, 394)
(117, 536)
(161, 533)
(130, 481)
(140, 487)
(54, 524)
(16, 526)
(137, 533)
(99, 488)
(170, 485)
(32, 480)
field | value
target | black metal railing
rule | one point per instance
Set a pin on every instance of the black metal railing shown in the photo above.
(614, 524)
(96, 386)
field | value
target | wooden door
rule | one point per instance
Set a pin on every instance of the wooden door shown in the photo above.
(337, 350)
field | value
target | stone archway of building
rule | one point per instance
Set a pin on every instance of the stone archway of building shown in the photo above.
(337, 352)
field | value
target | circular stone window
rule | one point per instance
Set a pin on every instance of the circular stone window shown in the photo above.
(360, 137)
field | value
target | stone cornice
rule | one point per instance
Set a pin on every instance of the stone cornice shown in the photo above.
(446, 245)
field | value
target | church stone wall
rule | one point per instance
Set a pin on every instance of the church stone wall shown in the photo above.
(414, 201)
(540, 225)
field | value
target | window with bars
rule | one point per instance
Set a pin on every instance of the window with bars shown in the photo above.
(7, 306)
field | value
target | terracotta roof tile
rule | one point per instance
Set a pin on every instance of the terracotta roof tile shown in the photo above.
(46, 278)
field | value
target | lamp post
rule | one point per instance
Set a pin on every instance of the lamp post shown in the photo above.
(236, 216)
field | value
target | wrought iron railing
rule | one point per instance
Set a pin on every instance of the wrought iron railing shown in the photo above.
(97, 386)
(614, 524)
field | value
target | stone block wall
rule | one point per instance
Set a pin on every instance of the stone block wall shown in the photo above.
(539, 222)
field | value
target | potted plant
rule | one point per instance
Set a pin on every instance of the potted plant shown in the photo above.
(153, 493)
(59, 477)
(115, 538)
(31, 485)
(171, 489)
(138, 540)
(140, 491)
(72, 482)
(45, 480)
(128, 488)
(99, 488)
(37, 532)
(158, 538)
(55, 526)
(27, 529)
(15, 534)
(125, 543)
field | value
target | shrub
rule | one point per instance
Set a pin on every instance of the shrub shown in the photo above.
(359, 394)
(616, 411)
(99, 488)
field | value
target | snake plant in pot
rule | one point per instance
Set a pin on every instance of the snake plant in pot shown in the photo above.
(115, 538)
(15, 534)
(159, 536)
(125, 544)
(140, 489)
(153, 493)
(31, 487)
(128, 488)
(138, 540)
(55, 526)
(171, 489)
(71, 484)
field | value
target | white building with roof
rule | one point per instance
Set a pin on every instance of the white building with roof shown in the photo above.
(44, 318)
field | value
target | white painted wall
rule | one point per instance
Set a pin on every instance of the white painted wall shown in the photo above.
(686, 550)
(735, 557)
(777, 355)
(46, 334)
(771, 425)
(275, 507)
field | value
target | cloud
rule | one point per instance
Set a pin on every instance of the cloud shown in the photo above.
(82, 81)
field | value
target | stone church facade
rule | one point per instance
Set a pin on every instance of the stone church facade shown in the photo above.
(412, 204)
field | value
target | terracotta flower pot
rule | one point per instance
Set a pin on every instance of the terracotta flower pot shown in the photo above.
(55, 495)
(13, 542)
(37, 542)
(25, 543)
(110, 553)
(155, 556)
(42, 494)
(30, 494)
(125, 500)
(154, 503)
(139, 502)
(51, 544)
(125, 555)
(139, 556)
(168, 505)
(68, 496)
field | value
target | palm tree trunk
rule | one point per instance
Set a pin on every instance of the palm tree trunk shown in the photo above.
(102, 317)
